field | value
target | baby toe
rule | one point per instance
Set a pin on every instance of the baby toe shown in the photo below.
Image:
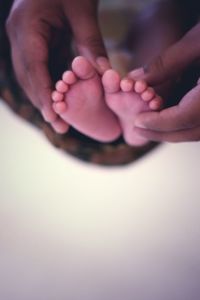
(60, 107)
(156, 103)
(83, 68)
(111, 81)
(140, 86)
(127, 85)
(148, 95)
(56, 96)
(69, 77)
(61, 86)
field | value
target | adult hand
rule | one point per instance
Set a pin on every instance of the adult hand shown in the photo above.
(181, 122)
(33, 27)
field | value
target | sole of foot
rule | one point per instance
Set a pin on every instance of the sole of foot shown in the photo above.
(127, 99)
(80, 101)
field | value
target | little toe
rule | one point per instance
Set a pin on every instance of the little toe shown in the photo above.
(69, 77)
(61, 86)
(60, 107)
(156, 103)
(83, 68)
(56, 96)
(111, 81)
(148, 95)
(60, 126)
(140, 86)
(127, 85)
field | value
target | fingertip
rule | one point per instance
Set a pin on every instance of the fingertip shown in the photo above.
(48, 114)
(146, 120)
(60, 126)
(137, 74)
(103, 64)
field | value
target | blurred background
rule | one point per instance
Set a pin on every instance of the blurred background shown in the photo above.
(70, 230)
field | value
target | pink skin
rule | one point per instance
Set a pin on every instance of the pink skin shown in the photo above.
(127, 99)
(79, 101)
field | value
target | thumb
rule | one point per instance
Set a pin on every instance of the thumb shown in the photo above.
(171, 63)
(89, 42)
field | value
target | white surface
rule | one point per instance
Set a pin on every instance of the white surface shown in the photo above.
(74, 231)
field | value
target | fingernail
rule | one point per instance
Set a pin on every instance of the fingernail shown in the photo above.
(137, 74)
(103, 64)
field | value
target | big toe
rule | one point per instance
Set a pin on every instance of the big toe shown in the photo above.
(83, 68)
(111, 81)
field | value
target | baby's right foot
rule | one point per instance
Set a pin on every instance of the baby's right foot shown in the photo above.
(79, 101)
(127, 99)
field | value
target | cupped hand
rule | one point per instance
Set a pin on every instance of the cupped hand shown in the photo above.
(179, 123)
(33, 27)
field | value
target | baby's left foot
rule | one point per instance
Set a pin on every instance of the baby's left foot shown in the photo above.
(127, 99)
(79, 101)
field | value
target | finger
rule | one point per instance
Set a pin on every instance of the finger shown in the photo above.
(60, 126)
(190, 135)
(175, 59)
(33, 76)
(36, 72)
(40, 82)
(89, 40)
(31, 65)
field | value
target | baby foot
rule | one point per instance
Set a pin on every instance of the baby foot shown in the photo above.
(127, 99)
(79, 100)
